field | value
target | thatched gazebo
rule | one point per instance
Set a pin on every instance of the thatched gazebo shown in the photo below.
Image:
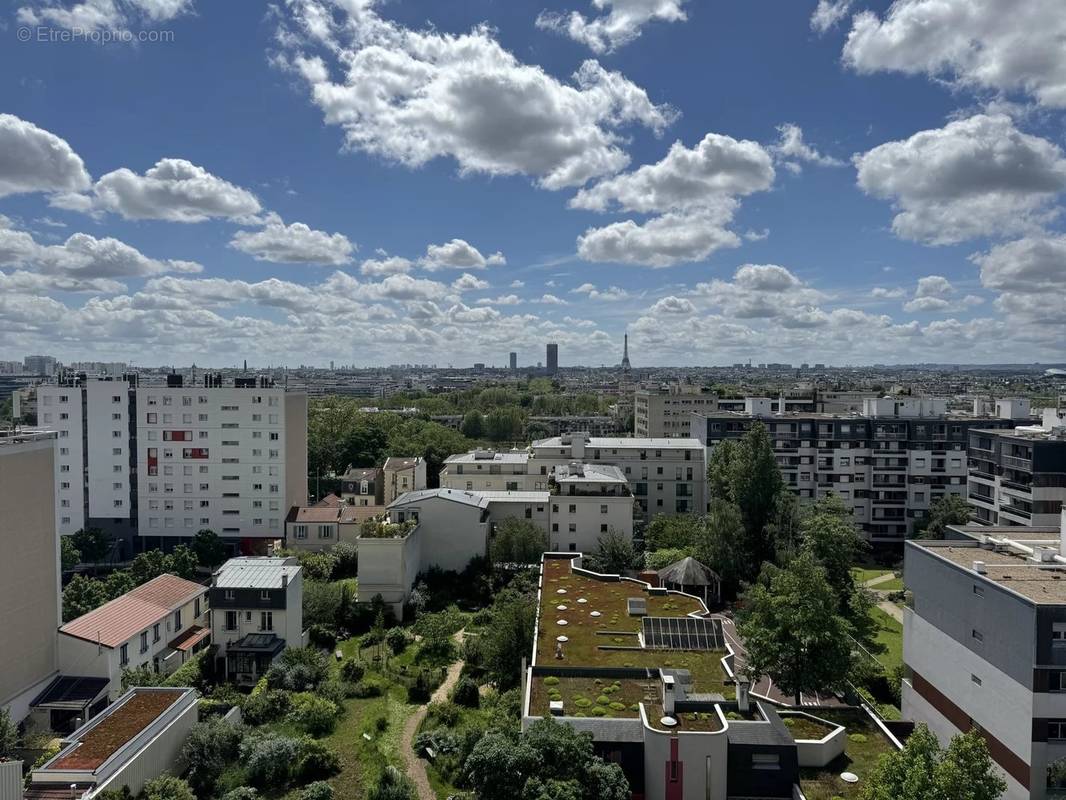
(689, 575)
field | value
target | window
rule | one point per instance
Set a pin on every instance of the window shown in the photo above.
(231, 594)
(266, 620)
(264, 594)
(1058, 633)
(325, 532)
(155, 632)
(1056, 729)
(231, 620)
(764, 761)
(177, 620)
(573, 508)
(144, 641)
(124, 655)
(978, 590)
(603, 509)
(977, 635)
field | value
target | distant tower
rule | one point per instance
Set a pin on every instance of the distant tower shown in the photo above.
(625, 354)
(246, 365)
(514, 361)
(553, 358)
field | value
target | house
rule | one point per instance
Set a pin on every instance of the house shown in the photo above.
(453, 526)
(159, 625)
(317, 528)
(256, 612)
(588, 500)
(363, 487)
(403, 475)
(137, 738)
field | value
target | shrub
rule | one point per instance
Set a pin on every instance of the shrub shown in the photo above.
(396, 640)
(347, 560)
(353, 670)
(551, 680)
(167, 787)
(858, 738)
(319, 790)
(445, 715)
(322, 636)
(466, 694)
(381, 724)
(316, 715)
(583, 702)
(269, 706)
(268, 759)
(316, 761)
(365, 689)
(602, 700)
(335, 691)
(392, 785)
(241, 793)
(419, 691)
(207, 751)
(599, 711)
(618, 706)
(318, 566)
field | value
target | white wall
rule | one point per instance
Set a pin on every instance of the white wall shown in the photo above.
(389, 567)
(53, 402)
(451, 533)
(705, 757)
(588, 518)
(109, 456)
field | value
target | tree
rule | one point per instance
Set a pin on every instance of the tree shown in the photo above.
(614, 553)
(503, 424)
(792, 628)
(720, 545)
(209, 548)
(166, 787)
(951, 509)
(118, 583)
(922, 769)
(207, 751)
(93, 544)
(671, 532)
(182, 562)
(828, 533)
(9, 734)
(69, 555)
(147, 565)
(508, 638)
(518, 541)
(81, 596)
(472, 425)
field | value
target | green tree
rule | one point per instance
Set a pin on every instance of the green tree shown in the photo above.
(951, 509)
(147, 565)
(69, 555)
(614, 553)
(503, 424)
(9, 734)
(720, 545)
(209, 548)
(93, 544)
(508, 638)
(472, 424)
(828, 533)
(118, 583)
(81, 596)
(672, 532)
(923, 770)
(182, 562)
(208, 750)
(166, 787)
(518, 541)
(793, 630)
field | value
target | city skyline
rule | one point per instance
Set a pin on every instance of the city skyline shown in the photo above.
(720, 190)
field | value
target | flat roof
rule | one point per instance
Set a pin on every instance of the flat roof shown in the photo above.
(1039, 583)
(1036, 533)
(483, 457)
(621, 442)
(1027, 433)
(590, 473)
(255, 572)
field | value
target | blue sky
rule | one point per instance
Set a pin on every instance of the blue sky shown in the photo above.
(381, 182)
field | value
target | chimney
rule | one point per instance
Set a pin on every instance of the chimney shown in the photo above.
(979, 567)
(743, 700)
(668, 695)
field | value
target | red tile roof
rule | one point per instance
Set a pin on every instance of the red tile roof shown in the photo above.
(330, 500)
(124, 617)
(359, 513)
(190, 638)
(317, 514)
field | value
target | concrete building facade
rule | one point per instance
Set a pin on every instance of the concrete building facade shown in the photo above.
(667, 413)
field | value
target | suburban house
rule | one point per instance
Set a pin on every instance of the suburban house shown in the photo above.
(137, 738)
(403, 475)
(363, 487)
(159, 625)
(652, 677)
(256, 612)
(319, 527)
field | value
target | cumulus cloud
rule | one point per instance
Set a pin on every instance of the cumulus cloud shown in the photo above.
(502, 300)
(552, 300)
(293, 244)
(661, 241)
(763, 291)
(933, 286)
(35, 160)
(881, 293)
(927, 304)
(828, 14)
(791, 149)
(610, 294)
(986, 44)
(1035, 264)
(673, 305)
(93, 15)
(619, 26)
(458, 254)
(413, 96)
(469, 283)
(387, 265)
(974, 177)
(175, 190)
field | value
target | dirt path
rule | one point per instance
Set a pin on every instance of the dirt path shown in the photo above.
(416, 767)
(870, 584)
(892, 610)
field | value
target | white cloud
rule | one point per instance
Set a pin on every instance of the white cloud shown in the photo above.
(94, 15)
(1035, 264)
(673, 305)
(458, 254)
(619, 26)
(763, 291)
(174, 190)
(610, 294)
(828, 14)
(388, 265)
(469, 283)
(502, 300)
(757, 236)
(413, 96)
(552, 300)
(927, 304)
(933, 286)
(987, 44)
(34, 160)
(517, 284)
(293, 244)
(791, 149)
(974, 177)
(661, 241)
(881, 293)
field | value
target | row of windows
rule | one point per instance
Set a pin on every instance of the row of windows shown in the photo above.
(124, 650)
(168, 488)
(188, 522)
(153, 418)
(186, 400)
(266, 620)
(324, 531)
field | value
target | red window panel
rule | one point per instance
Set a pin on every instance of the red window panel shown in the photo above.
(177, 436)
(153, 461)
(194, 452)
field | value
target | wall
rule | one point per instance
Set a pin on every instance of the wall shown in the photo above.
(704, 761)
(588, 519)
(451, 533)
(70, 453)
(388, 567)
(29, 569)
(100, 429)
(295, 449)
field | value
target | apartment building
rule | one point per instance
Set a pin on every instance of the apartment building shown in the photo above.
(984, 643)
(491, 471)
(888, 464)
(667, 413)
(363, 487)
(29, 570)
(587, 501)
(167, 461)
(403, 474)
(1018, 477)
(160, 624)
(256, 612)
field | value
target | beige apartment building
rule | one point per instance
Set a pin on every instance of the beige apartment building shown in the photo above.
(667, 413)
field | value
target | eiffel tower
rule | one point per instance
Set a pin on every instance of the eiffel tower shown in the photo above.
(625, 354)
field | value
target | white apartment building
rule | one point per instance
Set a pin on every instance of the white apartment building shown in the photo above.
(167, 461)
(160, 624)
(256, 612)
(587, 501)
(667, 413)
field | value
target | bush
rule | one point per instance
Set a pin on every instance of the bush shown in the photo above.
(444, 715)
(299, 669)
(419, 691)
(316, 761)
(268, 706)
(322, 636)
(353, 670)
(207, 751)
(392, 785)
(335, 690)
(365, 689)
(318, 566)
(268, 759)
(396, 640)
(316, 715)
(167, 787)
(858, 738)
(551, 680)
(381, 724)
(319, 790)
(241, 793)
(347, 560)
(466, 694)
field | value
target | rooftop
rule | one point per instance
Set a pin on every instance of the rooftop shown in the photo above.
(589, 473)
(489, 457)
(121, 619)
(622, 443)
(317, 513)
(360, 473)
(1036, 533)
(395, 462)
(477, 499)
(1009, 567)
(255, 572)
(1028, 433)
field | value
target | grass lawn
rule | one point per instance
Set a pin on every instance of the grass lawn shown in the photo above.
(863, 574)
(894, 585)
(863, 749)
(581, 696)
(890, 635)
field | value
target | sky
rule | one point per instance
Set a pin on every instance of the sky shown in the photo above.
(375, 182)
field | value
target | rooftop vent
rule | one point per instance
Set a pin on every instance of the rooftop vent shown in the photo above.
(979, 567)
(484, 455)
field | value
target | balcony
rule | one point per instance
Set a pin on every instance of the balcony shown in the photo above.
(1017, 463)
(1014, 511)
(976, 473)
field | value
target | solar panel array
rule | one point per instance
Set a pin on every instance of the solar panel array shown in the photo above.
(683, 633)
